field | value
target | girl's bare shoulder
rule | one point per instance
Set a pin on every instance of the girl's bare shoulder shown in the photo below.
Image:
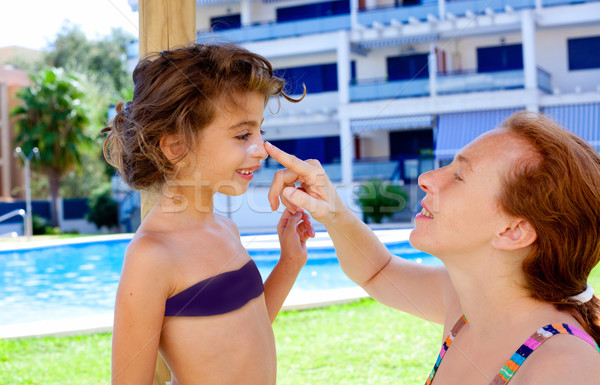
(228, 224)
(150, 251)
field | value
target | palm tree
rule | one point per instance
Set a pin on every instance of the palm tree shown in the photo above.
(53, 118)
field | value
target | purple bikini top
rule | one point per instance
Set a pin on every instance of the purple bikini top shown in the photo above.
(220, 294)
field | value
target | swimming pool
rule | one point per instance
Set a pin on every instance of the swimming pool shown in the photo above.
(80, 279)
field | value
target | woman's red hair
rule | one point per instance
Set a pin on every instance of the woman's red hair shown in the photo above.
(557, 189)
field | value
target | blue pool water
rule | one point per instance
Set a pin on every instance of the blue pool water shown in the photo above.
(79, 280)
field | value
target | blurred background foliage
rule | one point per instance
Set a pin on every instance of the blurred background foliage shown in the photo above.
(100, 67)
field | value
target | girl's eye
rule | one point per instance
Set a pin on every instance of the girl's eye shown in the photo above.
(247, 135)
(457, 177)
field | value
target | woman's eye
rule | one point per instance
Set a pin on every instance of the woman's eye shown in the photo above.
(262, 132)
(457, 177)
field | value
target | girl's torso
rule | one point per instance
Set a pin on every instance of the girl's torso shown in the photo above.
(234, 347)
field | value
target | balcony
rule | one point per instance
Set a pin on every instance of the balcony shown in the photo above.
(385, 15)
(274, 30)
(446, 83)
(376, 89)
(460, 7)
(455, 7)
(472, 81)
(268, 30)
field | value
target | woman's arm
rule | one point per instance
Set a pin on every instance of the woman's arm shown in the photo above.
(293, 231)
(425, 291)
(422, 290)
(139, 312)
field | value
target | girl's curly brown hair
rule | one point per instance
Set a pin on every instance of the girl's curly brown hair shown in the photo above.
(178, 92)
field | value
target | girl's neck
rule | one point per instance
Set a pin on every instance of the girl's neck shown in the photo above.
(187, 201)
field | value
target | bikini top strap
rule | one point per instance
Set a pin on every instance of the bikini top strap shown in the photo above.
(462, 321)
(535, 341)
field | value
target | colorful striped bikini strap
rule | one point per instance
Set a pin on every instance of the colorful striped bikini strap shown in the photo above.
(534, 342)
(462, 321)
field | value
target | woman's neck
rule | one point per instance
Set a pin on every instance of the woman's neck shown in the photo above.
(493, 296)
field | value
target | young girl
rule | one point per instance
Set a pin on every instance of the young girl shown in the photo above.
(515, 219)
(188, 287)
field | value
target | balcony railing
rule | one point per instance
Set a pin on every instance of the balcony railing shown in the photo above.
(447, 83)
(385, 15)
(401, 14)
(281, 30)
(544, 80)
(472, 81)
(376, 89)
(460, 7)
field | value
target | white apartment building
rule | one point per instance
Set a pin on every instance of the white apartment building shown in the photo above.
(397, 87)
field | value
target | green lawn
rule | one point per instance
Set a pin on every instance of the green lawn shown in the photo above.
(359, 343)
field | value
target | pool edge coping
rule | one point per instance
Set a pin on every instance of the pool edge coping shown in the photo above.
(103, 323)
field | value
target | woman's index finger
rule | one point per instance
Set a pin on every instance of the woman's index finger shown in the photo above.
(288, 161)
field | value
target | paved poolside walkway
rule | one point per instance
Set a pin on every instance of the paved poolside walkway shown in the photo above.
(103, 323)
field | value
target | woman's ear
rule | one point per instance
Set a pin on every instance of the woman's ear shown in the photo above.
(517, 235)
(172, 147)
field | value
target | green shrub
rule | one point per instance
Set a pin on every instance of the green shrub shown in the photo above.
(38, 225)
(379, 199)
(49, 230)
(103, 209)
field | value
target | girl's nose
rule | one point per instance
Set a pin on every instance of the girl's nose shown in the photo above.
(257, 150)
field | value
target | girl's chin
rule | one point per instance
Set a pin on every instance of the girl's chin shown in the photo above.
(233, 190)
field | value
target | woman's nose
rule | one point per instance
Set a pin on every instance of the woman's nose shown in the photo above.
(425, 181)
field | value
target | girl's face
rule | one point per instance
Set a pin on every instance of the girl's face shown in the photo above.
(230, 149)
(461, 212)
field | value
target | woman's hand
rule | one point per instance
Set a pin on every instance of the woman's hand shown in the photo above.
(316, 194)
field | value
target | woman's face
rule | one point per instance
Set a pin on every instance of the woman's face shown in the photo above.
(461, 212)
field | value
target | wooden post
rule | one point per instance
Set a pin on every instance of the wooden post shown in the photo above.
(164, 24)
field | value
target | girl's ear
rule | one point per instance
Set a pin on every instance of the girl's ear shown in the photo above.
(517, 235)
(172, 147)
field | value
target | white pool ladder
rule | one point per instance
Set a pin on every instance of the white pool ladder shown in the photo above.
(11, 214)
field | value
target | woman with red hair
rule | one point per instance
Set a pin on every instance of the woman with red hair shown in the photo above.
(515, 218)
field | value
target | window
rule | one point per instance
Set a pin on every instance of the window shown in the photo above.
(325, 150)
(584, 53)
(408, 67)
(315, 10)
(317, 78)
(220, 23)
(501, 58)
(410, 143)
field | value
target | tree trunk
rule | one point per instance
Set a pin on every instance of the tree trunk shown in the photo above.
(54, 182)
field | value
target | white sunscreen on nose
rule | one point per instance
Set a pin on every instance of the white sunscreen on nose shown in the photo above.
(251, 149)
